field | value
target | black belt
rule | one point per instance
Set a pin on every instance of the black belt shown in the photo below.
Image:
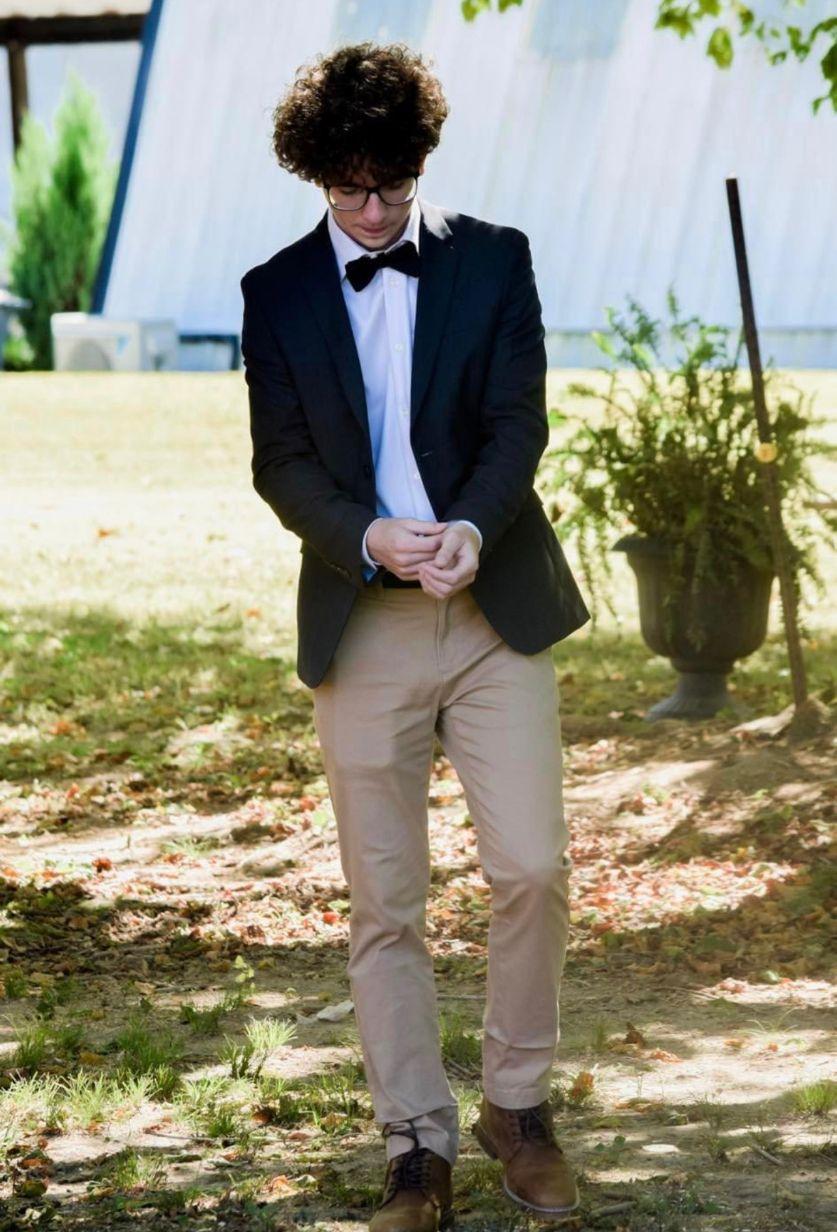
(392, 579)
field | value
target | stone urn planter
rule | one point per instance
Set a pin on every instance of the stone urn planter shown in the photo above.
(734, 616)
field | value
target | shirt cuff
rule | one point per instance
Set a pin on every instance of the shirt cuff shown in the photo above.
(367, 559)
(465, 522)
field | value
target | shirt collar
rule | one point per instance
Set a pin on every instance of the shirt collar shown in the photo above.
(347, 249)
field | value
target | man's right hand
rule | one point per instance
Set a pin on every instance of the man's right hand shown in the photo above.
(401, 544)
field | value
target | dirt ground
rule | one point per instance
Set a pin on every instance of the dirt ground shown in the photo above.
(177, 1043)
(695, 1005)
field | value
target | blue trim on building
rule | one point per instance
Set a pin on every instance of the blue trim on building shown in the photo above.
(149, 38)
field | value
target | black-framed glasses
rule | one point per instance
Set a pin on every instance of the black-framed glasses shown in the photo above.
(354, 196)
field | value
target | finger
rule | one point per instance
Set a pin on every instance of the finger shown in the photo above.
(459, 555)
(429, 583)
(451, 552)
(443, 572)
(417, 526)
(439, 586)
(425, 550)
(417, 550)
(430, 588)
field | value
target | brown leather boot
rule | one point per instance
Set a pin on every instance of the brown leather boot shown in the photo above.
(418, 1191)
(535, 1172)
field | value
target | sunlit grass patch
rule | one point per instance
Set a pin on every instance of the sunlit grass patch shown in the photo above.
(30, 1103)
(191, 846)
(601, 1036)
(54, 1103)
(816, 1098)
(42, 1045)
(207, 1021)
(468, 1098)
(461, 1045)
(116, 693)
(276, 1101)
(709, 1111)
(90, 1100)
(246, 1058)
(218, 1108)
(335, 1099)
(133, 1171)
(150, 1050)
(479, 1188)
(667, 1205)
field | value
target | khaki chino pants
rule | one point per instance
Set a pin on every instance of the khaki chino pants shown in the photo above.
(409, 666)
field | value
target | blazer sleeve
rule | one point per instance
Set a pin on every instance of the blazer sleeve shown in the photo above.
(513, 414)
(286, 469)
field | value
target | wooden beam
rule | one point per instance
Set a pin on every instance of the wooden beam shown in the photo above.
(18, 88)
(98, 28)
(19, 32)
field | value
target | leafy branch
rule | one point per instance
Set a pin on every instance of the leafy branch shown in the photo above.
(779, 39)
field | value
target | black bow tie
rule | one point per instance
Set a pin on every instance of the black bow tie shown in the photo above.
(404, 258)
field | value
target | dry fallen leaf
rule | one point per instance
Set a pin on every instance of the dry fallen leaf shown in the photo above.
(582, 1085)
(633, 1036)
(282, 1186)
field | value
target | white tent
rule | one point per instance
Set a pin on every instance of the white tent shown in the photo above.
(606, 140)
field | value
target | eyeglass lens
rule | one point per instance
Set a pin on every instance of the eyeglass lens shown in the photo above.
(355, 196)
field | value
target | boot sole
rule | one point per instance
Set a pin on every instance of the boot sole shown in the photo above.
(447, 1221)
(487, 1145)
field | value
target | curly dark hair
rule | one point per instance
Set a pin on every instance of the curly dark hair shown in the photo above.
(363, 103)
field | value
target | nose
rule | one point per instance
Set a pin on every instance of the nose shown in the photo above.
(374, 213)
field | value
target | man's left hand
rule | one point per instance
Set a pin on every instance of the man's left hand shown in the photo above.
(455, 564)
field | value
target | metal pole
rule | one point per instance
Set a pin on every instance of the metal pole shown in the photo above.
(774, 506)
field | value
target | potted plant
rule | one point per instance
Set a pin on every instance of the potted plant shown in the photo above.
(671, 455)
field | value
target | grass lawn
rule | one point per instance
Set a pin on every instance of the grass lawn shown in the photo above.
(175, 1044)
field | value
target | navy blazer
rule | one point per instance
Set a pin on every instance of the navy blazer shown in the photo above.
(478, 425)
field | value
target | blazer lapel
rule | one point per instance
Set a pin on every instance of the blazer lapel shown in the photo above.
(439, 261)
(321, 280)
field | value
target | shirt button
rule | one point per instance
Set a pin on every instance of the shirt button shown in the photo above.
(399, 346)
(415, 474)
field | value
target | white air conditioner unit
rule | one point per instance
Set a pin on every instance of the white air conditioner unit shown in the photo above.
(82, 341)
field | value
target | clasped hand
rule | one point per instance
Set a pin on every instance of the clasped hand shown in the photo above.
(443, 556)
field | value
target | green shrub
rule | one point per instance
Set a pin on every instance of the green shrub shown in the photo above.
(673, 455)
(62, 190)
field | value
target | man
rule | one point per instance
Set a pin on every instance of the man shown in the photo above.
(396, 370)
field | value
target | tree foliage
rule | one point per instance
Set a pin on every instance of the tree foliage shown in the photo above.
(62, 189)
(780, 38)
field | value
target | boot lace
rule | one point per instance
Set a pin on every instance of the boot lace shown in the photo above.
(410, 1169)
(533, 1124)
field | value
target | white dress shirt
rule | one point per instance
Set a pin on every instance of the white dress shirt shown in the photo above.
(383, 318)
